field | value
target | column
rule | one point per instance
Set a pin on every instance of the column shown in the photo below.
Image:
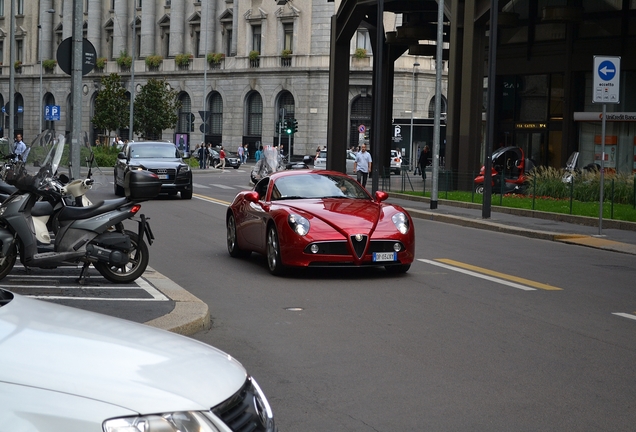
(177, 27)
(148, 29)
(120, 28)
(94, 30)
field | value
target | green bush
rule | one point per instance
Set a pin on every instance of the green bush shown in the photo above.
(49, 64)
(105, 156)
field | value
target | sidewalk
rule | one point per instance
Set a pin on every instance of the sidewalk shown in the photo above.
(617, 236)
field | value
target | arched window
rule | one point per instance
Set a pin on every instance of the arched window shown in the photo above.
(183, 124)
(431, 108)
(216, 114)
(360, 115)
(254, 114)
(286, 100)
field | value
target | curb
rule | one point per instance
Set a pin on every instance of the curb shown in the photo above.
(189, 316)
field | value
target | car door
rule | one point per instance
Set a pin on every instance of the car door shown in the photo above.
(256, 217)
(121, 165)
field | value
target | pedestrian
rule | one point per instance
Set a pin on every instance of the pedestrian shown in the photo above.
(222, 159)
(19, 147)
(259, 154)
(423, 161)
(209, 161)
(246, 153)
(239, 152)
(203, 156)
(362, 165)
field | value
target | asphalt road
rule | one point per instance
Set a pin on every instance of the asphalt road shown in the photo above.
(486, 332)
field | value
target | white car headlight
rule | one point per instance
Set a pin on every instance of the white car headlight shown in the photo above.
(401, 222)
(172, 422)
(299, 224)
(184, 168)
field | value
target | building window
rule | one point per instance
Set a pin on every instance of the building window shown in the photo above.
(20, 7)
(197, 44)
(112, 5)
(431, 108)
(362, 40)
(228, 41)
(183, 124)
(254, 114)
(1, 51)
(19, 50)
(1, 8)
(216, 114)
(288, 32)
(256, 38)
(166, 44)
(138, 3)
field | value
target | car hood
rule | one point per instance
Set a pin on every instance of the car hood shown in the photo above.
(349, 215)
(154, 163)
(134, 366)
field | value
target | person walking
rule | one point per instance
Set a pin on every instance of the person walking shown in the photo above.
(362, 165)
(417, 162)
(19, 147)
(423, 161)
(239, 153)
(246, 153)
(259, 154)
(203, 156)
(222, 159)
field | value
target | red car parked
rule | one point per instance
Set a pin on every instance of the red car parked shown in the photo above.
(317, 218)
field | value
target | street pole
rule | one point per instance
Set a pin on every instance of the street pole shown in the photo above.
(76, 87)
(40, 61)
(438, 104)
(132, 76)
(490, 112)
(11, 112)
(413, 154)
(205, 73)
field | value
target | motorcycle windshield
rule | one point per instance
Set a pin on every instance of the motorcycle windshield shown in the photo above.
(53, 158)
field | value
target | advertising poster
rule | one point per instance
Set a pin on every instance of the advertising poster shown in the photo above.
(181, 140)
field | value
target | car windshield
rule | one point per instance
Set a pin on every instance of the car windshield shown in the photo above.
(147, 151)
(313, 185)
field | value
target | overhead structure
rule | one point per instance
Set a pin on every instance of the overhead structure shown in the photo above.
(416, 36)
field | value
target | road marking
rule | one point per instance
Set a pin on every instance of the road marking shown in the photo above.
(220, 186)
(624, 315)
(211, 200)
(493, 276)
(200, 186)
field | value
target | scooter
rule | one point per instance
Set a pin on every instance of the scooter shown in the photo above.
(85, 235)
(508, 172)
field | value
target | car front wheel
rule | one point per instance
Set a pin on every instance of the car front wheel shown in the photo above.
(273, 252)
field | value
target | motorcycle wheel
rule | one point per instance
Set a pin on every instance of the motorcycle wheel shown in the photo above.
(7, 263)
(135, 267)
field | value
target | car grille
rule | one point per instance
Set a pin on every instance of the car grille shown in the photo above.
(238, 411)
(340, 247)
(171, 172)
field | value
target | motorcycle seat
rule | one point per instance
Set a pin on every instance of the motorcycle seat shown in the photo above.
(100, 207)
(42, 208)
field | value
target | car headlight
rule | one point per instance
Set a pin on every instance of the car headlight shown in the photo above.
(172, 422)
(136, 168)
(401, 222)
(184, 168)
(299, 224)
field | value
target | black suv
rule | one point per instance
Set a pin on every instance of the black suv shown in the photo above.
(161, 158)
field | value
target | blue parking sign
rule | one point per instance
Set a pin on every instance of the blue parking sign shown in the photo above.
(52, 113)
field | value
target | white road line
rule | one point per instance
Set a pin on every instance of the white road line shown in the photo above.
(478, 275)
(200, 186)
(220, 186)
(71, 287)
(624, 315)
(244, 187)
(210, 200)
(154, 292)
(92, 298)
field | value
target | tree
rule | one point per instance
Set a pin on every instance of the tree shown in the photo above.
(156, 108)
(112, 106)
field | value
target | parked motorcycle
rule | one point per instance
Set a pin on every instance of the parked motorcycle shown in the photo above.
(85, 235)
(509, 169)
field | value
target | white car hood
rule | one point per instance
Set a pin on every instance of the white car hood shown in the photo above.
(119, 362)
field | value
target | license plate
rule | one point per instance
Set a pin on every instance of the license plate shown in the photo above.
(163, 176)
(384, 256)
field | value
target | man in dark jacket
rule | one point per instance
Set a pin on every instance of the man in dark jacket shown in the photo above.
(423, 161)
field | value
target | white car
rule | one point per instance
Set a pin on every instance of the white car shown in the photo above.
(65, 369)
(396, 162)
(321, 161)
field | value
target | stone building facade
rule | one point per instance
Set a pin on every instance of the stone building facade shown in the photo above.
(243, 96)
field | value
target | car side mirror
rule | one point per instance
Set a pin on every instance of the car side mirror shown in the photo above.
(381, 196)
(121, 155)
(251, 196)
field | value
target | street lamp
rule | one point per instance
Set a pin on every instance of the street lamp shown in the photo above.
(413, 154)
(40, 60)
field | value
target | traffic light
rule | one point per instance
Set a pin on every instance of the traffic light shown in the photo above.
(289, 127)
(295, 126)
(277, 130)
(192, 118)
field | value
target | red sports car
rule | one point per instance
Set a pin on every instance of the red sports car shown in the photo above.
(319, 219)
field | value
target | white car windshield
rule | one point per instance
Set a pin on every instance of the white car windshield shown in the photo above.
(317, 186)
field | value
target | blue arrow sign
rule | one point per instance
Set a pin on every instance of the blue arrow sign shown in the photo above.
(607, 70)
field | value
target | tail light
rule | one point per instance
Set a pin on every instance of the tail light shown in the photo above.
(135, 208)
